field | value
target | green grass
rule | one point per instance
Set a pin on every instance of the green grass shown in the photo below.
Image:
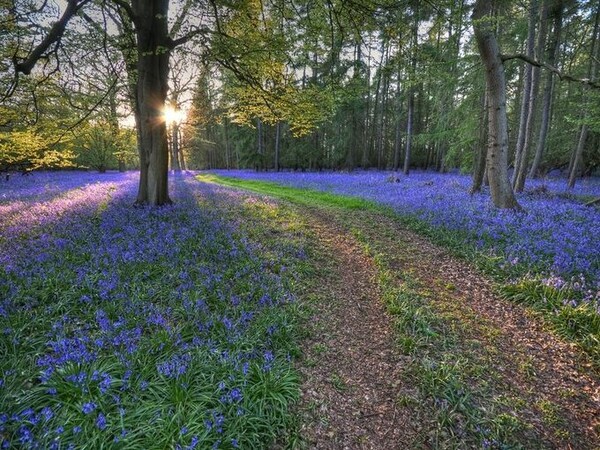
(307, 197)
(461, 407)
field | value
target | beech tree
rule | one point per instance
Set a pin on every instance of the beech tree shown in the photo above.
(148, 20)
(497, 154)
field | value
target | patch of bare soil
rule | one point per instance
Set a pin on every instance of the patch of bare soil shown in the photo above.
(351, 370)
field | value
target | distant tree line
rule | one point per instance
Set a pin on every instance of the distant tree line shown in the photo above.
(403, 87)
(479, 86)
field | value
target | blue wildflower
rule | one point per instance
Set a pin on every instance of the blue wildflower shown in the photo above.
(88, 408)
(101, 421)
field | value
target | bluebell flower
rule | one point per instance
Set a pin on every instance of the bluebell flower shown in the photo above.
(88, 408)
(101, 421)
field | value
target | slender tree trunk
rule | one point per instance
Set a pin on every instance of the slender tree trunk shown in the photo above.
(377, 105)
(397, 143)
(227, 143)
(175, 166)
(548, 91)
(594, 56)
(382, 119)
(397, 138)
(367, 117)
(277, 145)
(181, 156)
(521, 173)
(480, 148)
(526, 91)
(411, 95)
(409, 131)
(114, 127)
(152, 86)
(497, 155)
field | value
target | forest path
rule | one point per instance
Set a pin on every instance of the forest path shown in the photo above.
(410, 347)
(351, 369)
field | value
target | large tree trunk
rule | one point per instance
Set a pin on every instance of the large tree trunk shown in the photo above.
(497, 155)
(152, 85)
(548, 90)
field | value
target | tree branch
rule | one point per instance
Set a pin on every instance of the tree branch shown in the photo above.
(561, 75)
(183, 39)
(180, 18)
(127, 8)
(53, 36)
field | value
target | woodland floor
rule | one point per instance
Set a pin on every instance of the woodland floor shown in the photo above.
(487, 374)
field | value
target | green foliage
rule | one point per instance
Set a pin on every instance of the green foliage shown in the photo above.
(575, 320)
(101, 147)
(30, 150)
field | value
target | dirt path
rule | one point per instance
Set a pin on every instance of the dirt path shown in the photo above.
(354, 373)
(351, 369)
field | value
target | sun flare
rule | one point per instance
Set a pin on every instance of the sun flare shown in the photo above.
(173, 115)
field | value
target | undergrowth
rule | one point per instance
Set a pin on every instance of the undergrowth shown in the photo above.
(147, 328)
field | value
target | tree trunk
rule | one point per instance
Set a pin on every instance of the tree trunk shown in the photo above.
(181, 157)
(578, 152)
(175, 166)
(152, 86)
(367, 120)
(526, 91)
(497, 155)
(480, 148)
(397, 144)
(411, 95)
(227, 143)
(409, 126)
(521, 173)
(277, 145)
(548, 91)
(381, 147)
(397, 137)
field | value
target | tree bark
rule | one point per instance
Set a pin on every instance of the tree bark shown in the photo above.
(578, 152)
(526, 92)
(175, 166)
(481, 148)
(521, 173)
(411, 95)
(181, 156)
(409, 127)
(548, 90)
(497, 155)
(152, 85)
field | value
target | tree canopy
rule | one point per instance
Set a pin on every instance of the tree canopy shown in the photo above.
(302, 85)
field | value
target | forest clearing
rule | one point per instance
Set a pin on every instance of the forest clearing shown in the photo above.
(299, 224)
(318, 320)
